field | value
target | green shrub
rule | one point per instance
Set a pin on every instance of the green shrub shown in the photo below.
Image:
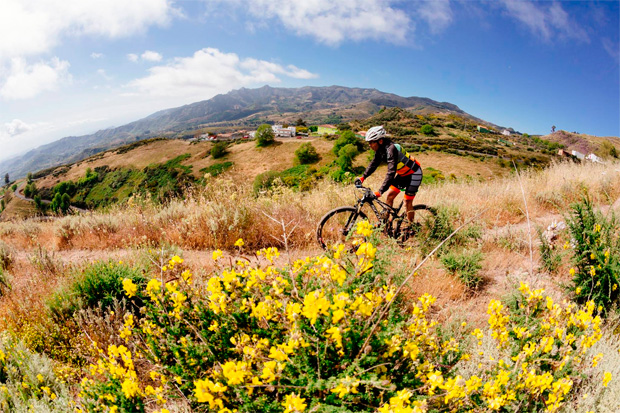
(264, 181)
(28, 381)
(465, 265)
(219, 150)
(99, 285)
(595, 244)
(217, 168)
(427, 130)
(306, 154)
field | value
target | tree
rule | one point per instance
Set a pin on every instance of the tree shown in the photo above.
(300, 122)
(29, 177)
(306, 154)
(65, 203)
(343, 126)
(39, 203)
(345, 157)
(6, 178)
(55, 205)
(264, 135)
(553, 129)
(30, 190)
(347, 138)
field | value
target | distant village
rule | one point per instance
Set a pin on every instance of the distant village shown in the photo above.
(282, 131)
(279, 131)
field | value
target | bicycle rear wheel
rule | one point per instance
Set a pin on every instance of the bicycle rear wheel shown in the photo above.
(336, 227)
(424, 221)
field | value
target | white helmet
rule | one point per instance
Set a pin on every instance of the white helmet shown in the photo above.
(375, 133)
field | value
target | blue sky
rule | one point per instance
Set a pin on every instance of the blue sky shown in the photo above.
(74, 67)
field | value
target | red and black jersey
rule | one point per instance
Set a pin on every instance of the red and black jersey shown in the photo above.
(398, 160)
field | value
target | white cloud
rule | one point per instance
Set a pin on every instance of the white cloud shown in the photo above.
(95, 55)
(437, 14)
(104, 74)
(25, 81)
(545, 20)
(151, 56)
(613, 49)
(333, 22)
(36, 26)
(15, 127)
(210, 71)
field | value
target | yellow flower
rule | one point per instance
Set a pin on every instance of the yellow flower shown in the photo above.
(217, 254)
(129, 287)
(606, 378)
(364, 228)
(239, 243)
(130, 388)
(294, 403)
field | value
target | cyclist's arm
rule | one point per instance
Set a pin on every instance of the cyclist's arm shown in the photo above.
(392, 159)
(374, 164)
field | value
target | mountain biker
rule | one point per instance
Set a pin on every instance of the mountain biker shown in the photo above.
(404, 172)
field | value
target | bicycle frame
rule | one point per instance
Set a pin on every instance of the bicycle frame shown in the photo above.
(388, 214)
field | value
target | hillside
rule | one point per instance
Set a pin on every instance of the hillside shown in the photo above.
(449, 146)
(238, 109)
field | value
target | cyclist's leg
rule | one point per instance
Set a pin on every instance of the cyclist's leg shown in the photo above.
(391, 195)
(411, 191)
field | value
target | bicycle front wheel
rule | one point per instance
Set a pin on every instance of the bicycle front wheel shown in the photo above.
(337, 225)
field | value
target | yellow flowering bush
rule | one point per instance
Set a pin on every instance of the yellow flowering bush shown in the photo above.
(541, 348)
(328, 333)
(255, 336)
(595, 247)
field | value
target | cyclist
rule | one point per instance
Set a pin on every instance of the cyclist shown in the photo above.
(404, 172)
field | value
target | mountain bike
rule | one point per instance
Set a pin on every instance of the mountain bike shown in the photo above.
(337, 225)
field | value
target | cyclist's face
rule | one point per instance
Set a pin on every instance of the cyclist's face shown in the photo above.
(374, 145)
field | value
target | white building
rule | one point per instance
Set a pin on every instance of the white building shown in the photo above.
(506, 132)
(593, 158)
(578, 155)
(281, 132)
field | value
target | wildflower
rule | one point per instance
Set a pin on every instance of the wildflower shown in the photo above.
(235, 373)
(130, 388)
(346, 386)
(129, 287)
(364, 228)
(239, 243)
(294, 403)
(606, 378)
(217, 254)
